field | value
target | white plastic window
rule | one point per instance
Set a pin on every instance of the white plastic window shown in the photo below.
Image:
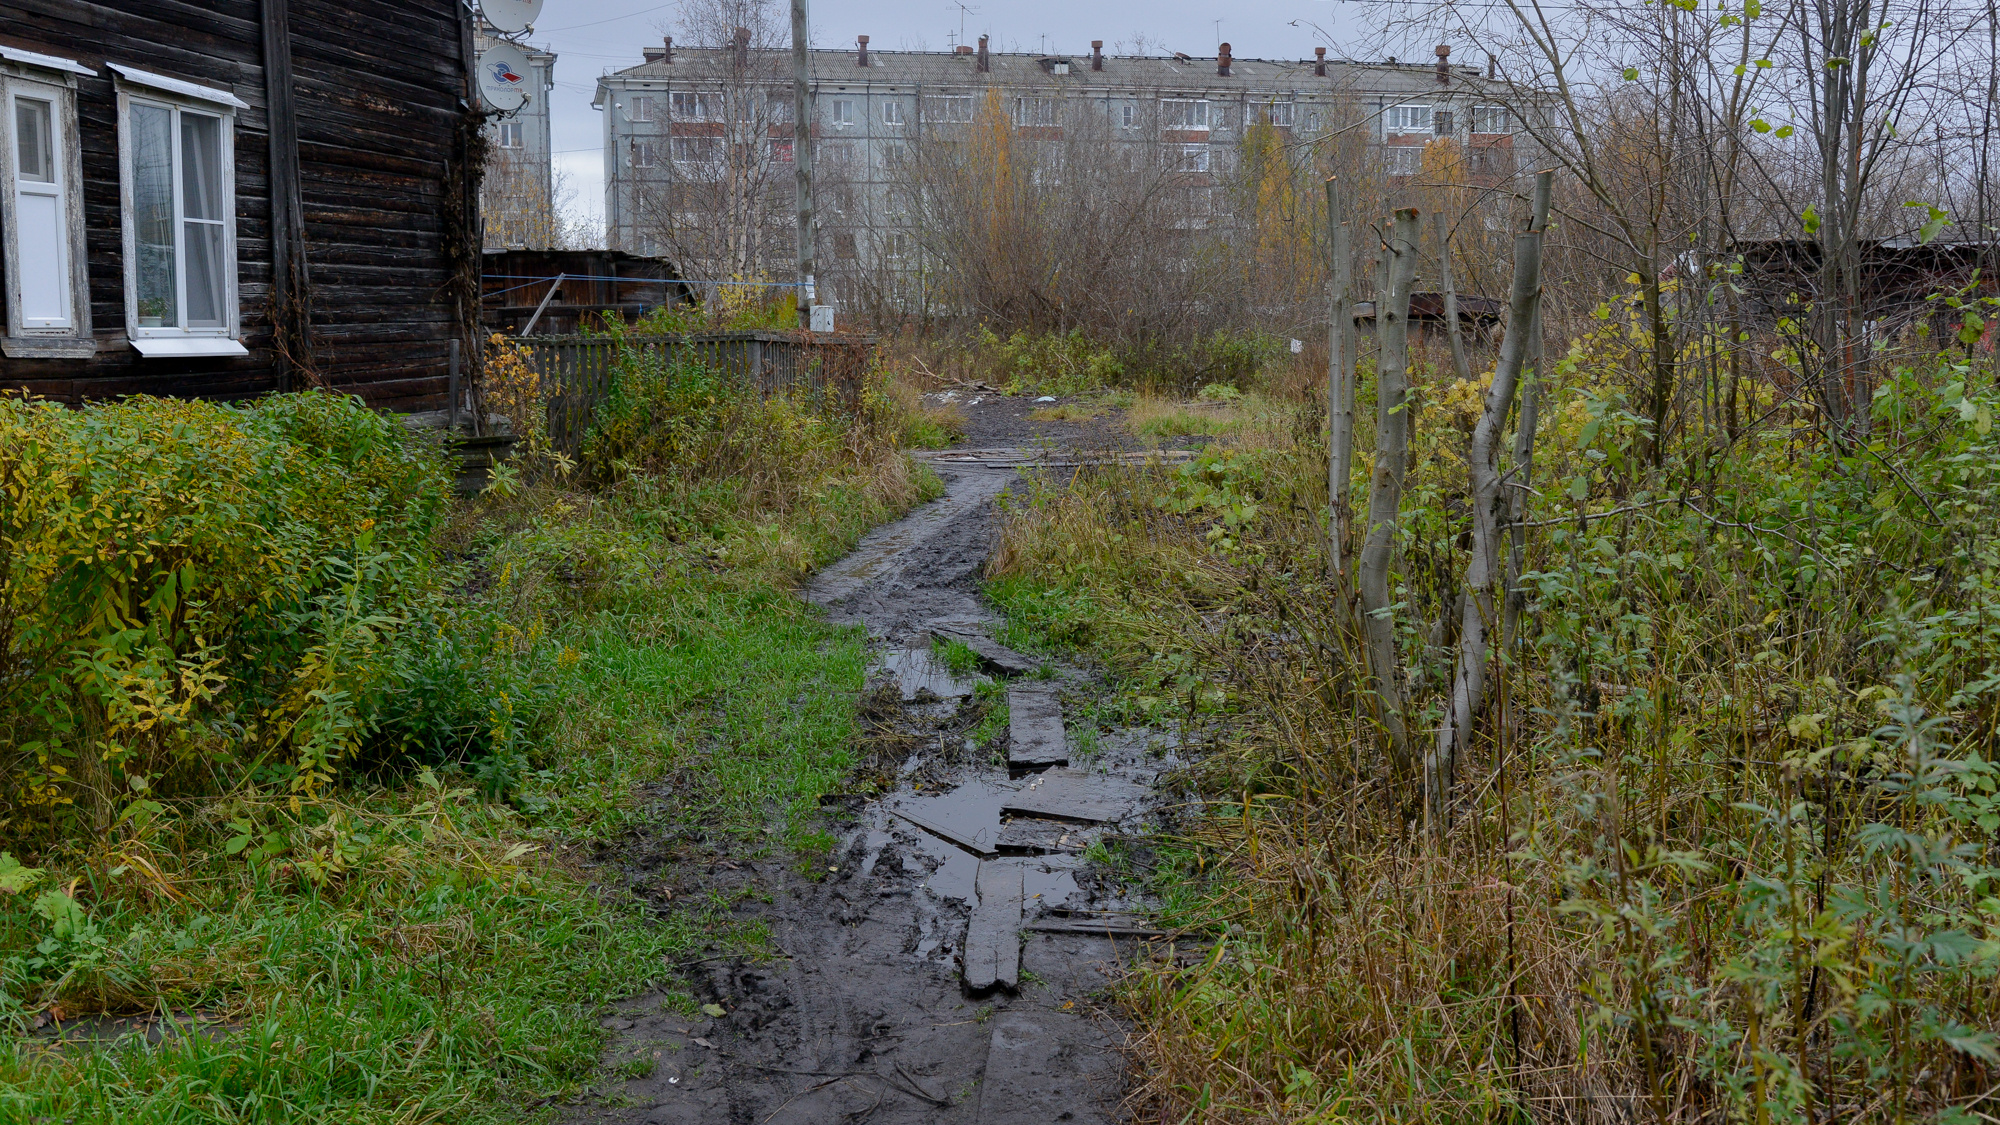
(511, 136)
(1407, 119)
(892, 113)
(1403, 160)
(691, 106)
(1128, 116)
(948, 109)
(641, 108)
(180, 218)
(1183, 113)
(1192, 158)
(1491, 119)
(842, 113)
(1034, 111)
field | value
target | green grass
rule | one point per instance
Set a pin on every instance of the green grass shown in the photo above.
(411, 949)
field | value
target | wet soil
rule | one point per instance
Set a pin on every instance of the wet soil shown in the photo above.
(861, 1012)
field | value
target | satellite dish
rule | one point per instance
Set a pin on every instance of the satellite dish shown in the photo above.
(503, 76)
(510, 15)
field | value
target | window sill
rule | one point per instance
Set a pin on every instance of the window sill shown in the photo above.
(47, 347)
(157, 347)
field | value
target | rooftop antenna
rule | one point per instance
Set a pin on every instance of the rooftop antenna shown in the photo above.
(964, 10)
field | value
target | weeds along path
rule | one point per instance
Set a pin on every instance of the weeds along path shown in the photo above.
(947, 958)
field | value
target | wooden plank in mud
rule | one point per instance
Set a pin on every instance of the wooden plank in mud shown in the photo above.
(1041, 837)
(969, 837)
(1066, 794)
(1035, 727)
(993, 939)
(993, 656)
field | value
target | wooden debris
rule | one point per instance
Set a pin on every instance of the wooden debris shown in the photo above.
(993, 939)
(1075, 795)
(975, 840)
(1035, 727)
(996, 658)
(1042, 837)
(1103, 925)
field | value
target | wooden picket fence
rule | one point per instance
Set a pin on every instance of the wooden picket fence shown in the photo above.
(576, 371)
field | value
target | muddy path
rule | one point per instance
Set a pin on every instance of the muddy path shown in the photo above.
(952, 960)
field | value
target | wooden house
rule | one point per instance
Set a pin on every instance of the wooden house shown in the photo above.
(235, 197)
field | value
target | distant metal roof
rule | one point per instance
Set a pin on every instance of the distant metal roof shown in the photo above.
(1163, 73)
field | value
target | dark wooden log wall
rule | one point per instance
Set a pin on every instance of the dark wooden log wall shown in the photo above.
(378, 90)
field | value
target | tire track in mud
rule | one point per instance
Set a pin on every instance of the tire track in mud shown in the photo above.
(863, 1013)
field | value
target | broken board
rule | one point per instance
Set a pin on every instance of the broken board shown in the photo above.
(1041, 837)
(1035, 728)
(995, 658)
(977, 839)
(993, 938)
(1098, 925)
(1075, 795)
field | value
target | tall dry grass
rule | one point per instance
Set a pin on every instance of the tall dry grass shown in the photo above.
(1723, 846)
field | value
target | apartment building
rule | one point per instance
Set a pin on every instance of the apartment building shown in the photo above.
(517, 197)
(686, 118)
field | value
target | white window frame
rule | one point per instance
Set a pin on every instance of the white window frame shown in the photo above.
(892, 155)
(1279, 113)
(1031, 111)
(840, 111)
(892, 112)
(38, 77)
(644, 154)
(1403, 160)
(692, 105)
(1192, 158)
(1128, 116)
(502, 130)
(1485, 115)
(641, 108)
(948, 109)
(140, 87)
(1184, 115)
(1397, 120)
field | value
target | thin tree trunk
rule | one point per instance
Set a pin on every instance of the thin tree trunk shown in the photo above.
(1460, 365)
(1488, 510)
(1340, 380)
(1385, 491)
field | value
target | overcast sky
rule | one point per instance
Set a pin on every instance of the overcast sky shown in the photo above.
(591, 37)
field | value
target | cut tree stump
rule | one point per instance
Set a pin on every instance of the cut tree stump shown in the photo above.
(1035, 728)
(993, 940)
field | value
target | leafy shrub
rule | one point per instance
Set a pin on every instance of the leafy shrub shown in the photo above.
(187, 585)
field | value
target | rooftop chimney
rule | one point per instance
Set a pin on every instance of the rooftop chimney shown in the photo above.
(1489, 64)
(669, 55)
(1319, 62)
(1097, 54)
(1444, 65)
(742, 44)
(861, 59)
(1222, 61)
(985, 64)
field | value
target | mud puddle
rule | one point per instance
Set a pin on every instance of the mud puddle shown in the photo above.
(951, 962)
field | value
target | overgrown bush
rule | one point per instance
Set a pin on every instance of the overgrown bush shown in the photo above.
(190, 589)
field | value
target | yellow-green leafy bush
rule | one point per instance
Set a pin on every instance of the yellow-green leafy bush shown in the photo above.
(188, 589)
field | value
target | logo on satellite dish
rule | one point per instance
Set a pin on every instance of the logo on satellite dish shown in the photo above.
(505, 73)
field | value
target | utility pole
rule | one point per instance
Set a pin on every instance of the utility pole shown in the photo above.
(802, 158)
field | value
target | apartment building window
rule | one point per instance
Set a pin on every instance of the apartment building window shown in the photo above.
(645, 154)
(892, 113)
(1034, 111)
(1492, 119)
(1402, 160)
(1441, 123)
(1191, 158)
(1128, 116)
(781, 151)
(176, 154)
(948, 109)
(689, 105)
(895, 245)
(1277, 113)
(510, 135)
(780, 107)
(41, 203)
(893, 155)
(1183, 113)
(697, 155)
(639, 108)
(1407, 119)
(841, 113)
